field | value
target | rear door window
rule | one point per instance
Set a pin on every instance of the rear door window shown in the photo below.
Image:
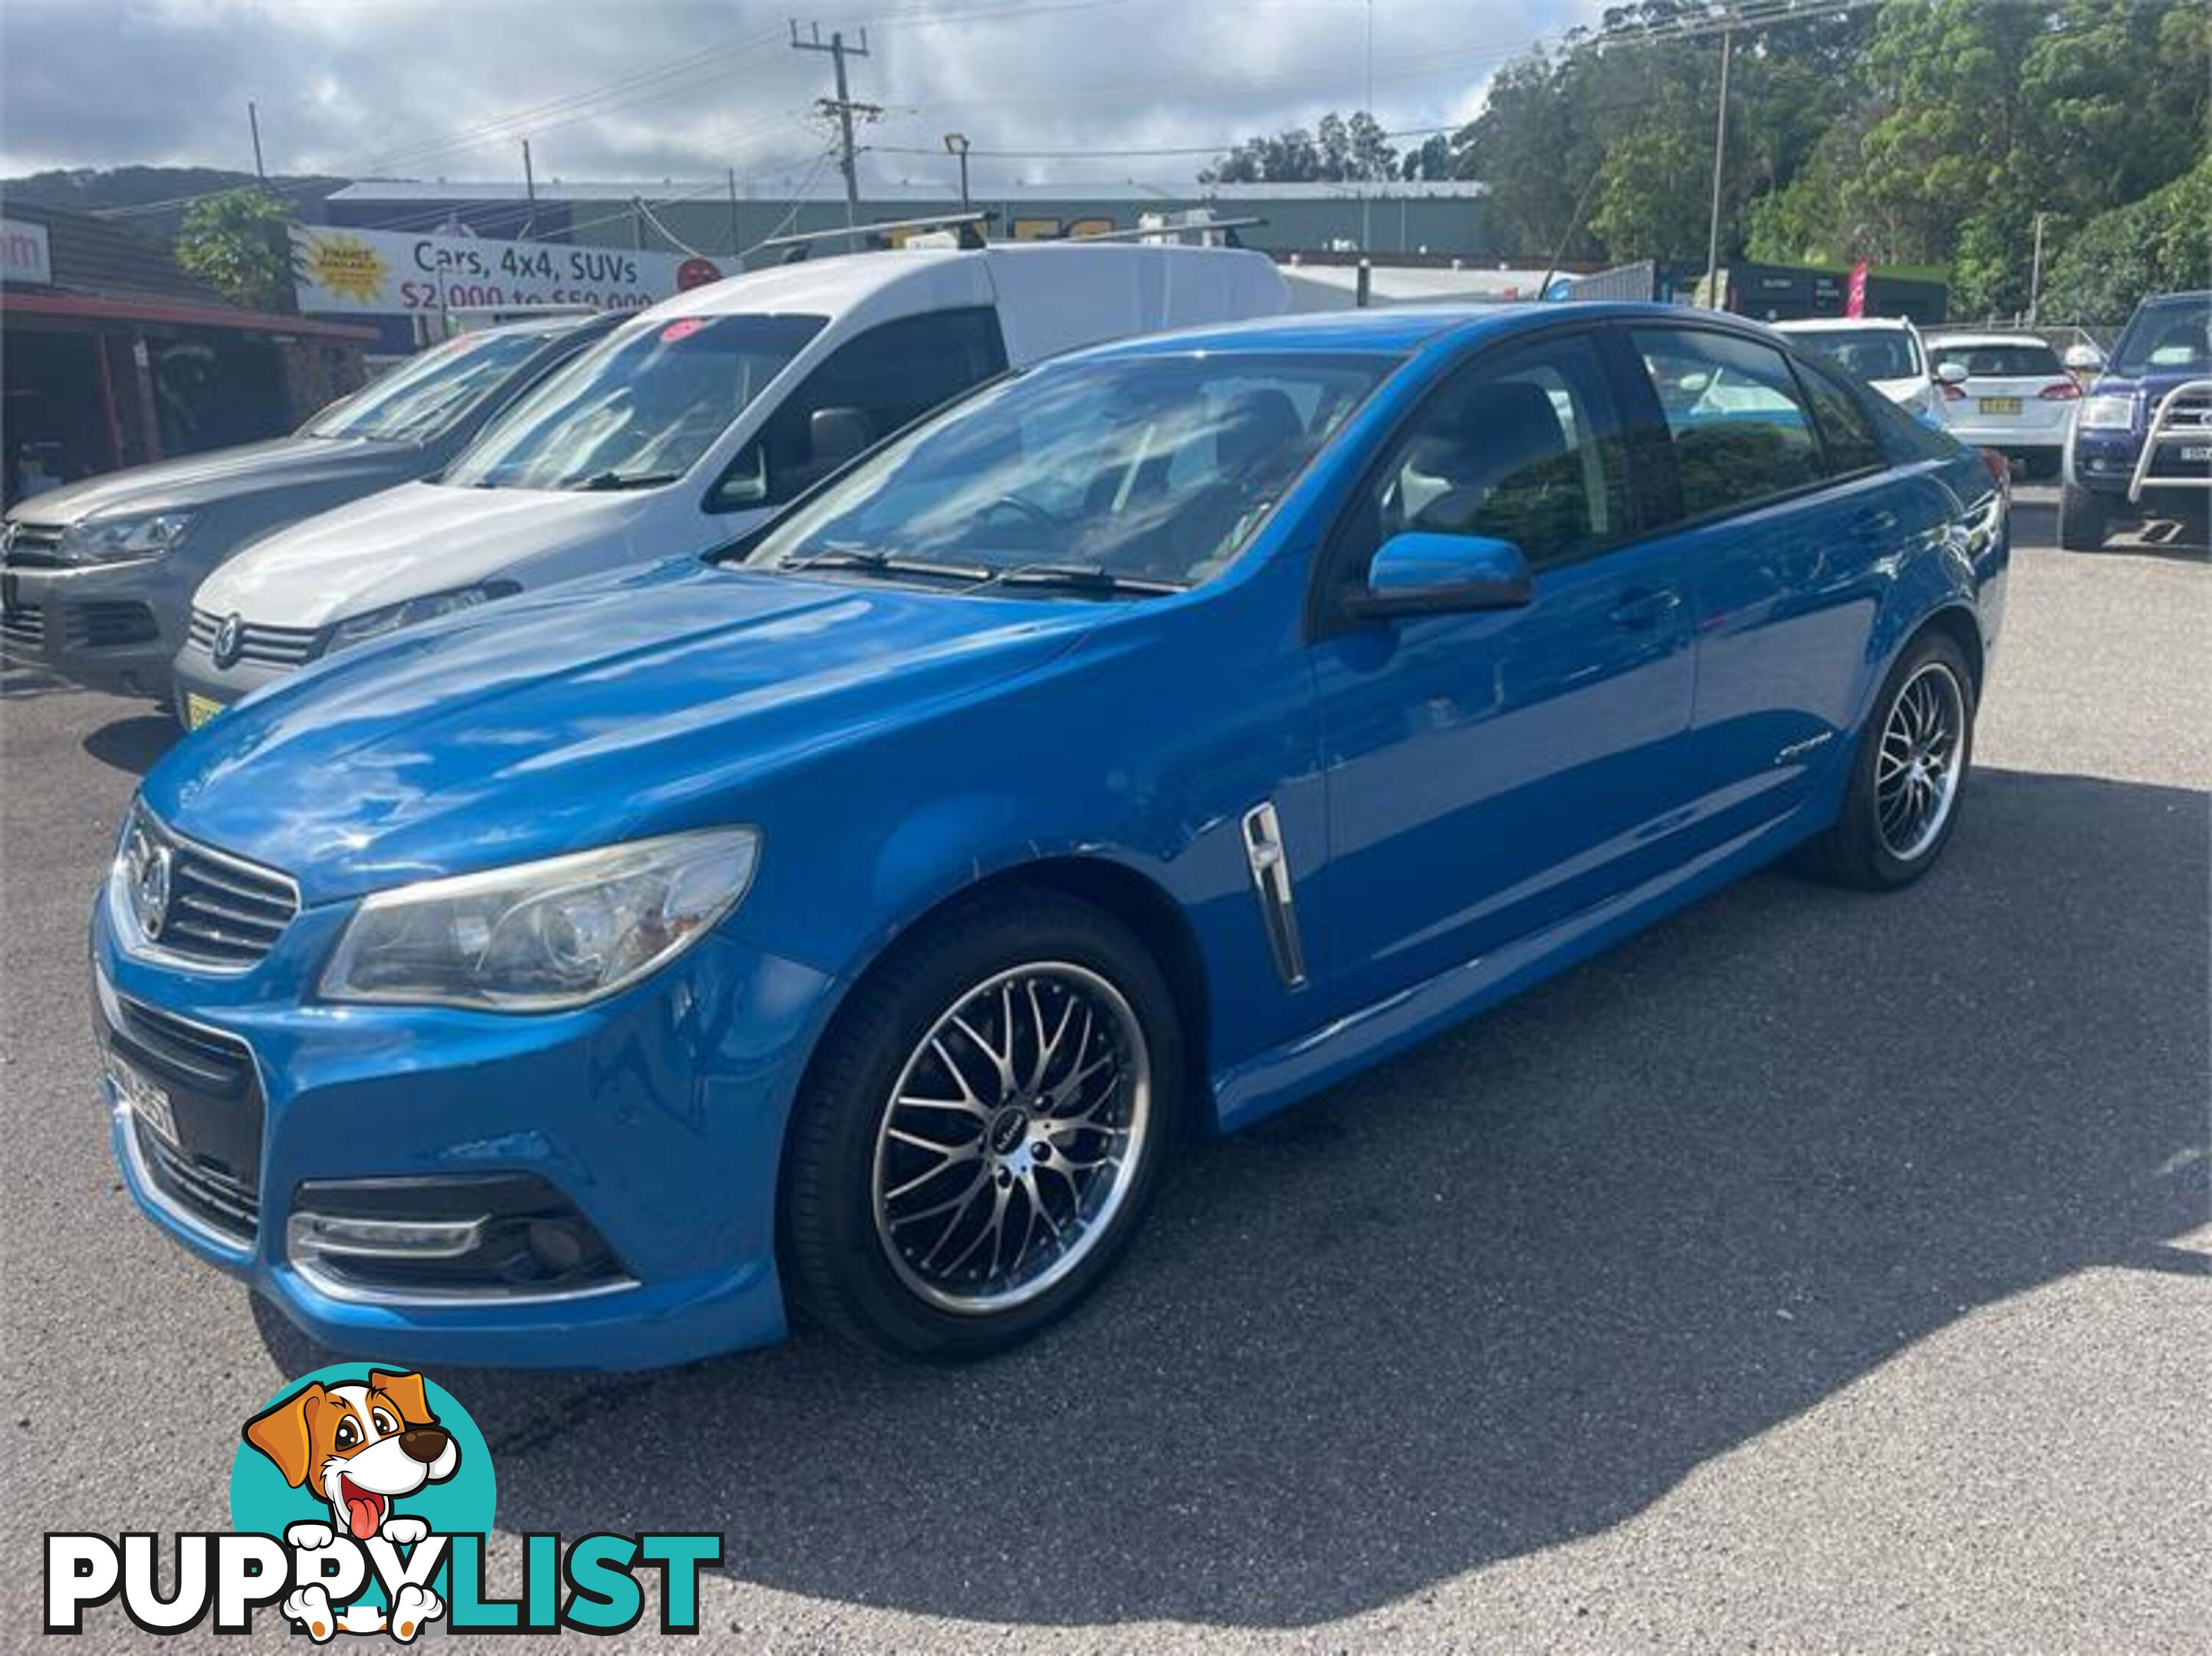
(869, 387)
(1848, 444)
(1737, 418)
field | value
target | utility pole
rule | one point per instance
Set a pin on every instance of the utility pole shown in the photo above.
(957, 144)
(529, 189)
(1367, 227)
(2035, 271)
(1720, 155)
(841, 106)
(253, 123)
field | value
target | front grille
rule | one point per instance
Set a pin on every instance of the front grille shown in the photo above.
(271, 646)
(221, 910)
(212, 1169)
(2187, 413)
(211, 1196)
(31, 546)
(24, 624)
(108, 624)
(185, 1054)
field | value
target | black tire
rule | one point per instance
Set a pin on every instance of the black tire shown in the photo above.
(2083, 518)
(837, 1263)
(1855, 850)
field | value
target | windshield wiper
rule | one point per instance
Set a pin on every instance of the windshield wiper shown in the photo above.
(1082, 578)
(872, 561)
(604, 480)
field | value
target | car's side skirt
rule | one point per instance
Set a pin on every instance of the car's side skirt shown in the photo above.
(1298, 1068)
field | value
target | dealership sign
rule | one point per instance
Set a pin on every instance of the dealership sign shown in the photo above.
(393, 273)
(25, 255)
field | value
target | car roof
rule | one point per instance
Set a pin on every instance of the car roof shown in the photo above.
(1941, 337)
(840, 283)
(566, 322)
(1842, 323)
(1401, 330)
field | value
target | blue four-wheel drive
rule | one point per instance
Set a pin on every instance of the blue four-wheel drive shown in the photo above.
(2143, 434)
(859, 917)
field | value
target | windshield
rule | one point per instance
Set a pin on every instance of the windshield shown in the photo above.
(638, 410)
(2008, 360)
(2168, 334)
(422, 396)
(1154, 469)
(1869, 353)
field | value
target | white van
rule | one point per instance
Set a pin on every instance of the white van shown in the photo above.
(684, 429)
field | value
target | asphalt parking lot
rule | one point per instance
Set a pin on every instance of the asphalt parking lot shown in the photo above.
(1815, 1272)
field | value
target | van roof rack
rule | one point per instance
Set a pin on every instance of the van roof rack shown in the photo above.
(802, 243)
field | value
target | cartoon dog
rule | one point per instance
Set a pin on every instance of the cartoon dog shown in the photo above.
(359, 1447)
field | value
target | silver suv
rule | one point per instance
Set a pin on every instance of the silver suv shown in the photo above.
(97, 578)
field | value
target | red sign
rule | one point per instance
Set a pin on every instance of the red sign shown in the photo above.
(696, 273)
(1855, 297)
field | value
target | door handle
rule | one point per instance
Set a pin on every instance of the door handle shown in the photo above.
(1873, 523)
(1645, 608)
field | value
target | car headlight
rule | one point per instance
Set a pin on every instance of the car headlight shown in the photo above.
(122, 537)
(542, 937)
(2106, 412)
(375, 623)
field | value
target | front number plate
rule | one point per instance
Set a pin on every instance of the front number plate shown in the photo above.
(2196, 454)
(198, 709)
(143, 1097)
(2001, 405)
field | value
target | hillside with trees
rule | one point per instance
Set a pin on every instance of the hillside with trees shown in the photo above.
(1912, 132)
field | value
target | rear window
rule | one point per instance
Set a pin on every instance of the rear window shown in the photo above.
(1866, 353)
(2015, 361)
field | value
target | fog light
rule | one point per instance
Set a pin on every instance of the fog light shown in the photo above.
(473, 1235)
(384, 1239)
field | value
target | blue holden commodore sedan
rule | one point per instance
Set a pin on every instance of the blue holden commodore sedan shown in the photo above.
(860, 919)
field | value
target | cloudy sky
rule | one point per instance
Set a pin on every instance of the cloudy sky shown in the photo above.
(648, 89)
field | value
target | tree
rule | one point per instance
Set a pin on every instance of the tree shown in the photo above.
(2154, 246)
(1344, 150)
(239, 243)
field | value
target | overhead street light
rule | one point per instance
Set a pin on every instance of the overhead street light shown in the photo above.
(955, 143)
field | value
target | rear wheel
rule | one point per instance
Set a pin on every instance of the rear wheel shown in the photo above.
(2083, 518)
(983, 1132)
(1903, 800)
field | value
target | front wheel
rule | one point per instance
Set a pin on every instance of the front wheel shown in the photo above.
(2083, 518)
(980, 1137)
(1902, 802)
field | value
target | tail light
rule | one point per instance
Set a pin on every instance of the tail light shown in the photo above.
(1952, 393)
(2065, 391)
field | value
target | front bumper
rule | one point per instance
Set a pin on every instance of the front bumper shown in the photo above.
(112, 627)
(658, 1114)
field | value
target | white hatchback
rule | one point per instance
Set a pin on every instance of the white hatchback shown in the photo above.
(2016, 395)
(1883, 352)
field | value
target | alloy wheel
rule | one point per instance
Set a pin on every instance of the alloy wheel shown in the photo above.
(1013, 1135)
(1917, 770)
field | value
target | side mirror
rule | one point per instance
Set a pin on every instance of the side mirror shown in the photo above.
(1419, 574)
(2084, 358)
(836, 436)
(1950, 373)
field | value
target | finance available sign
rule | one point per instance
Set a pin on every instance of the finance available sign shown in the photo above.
(394, 273)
